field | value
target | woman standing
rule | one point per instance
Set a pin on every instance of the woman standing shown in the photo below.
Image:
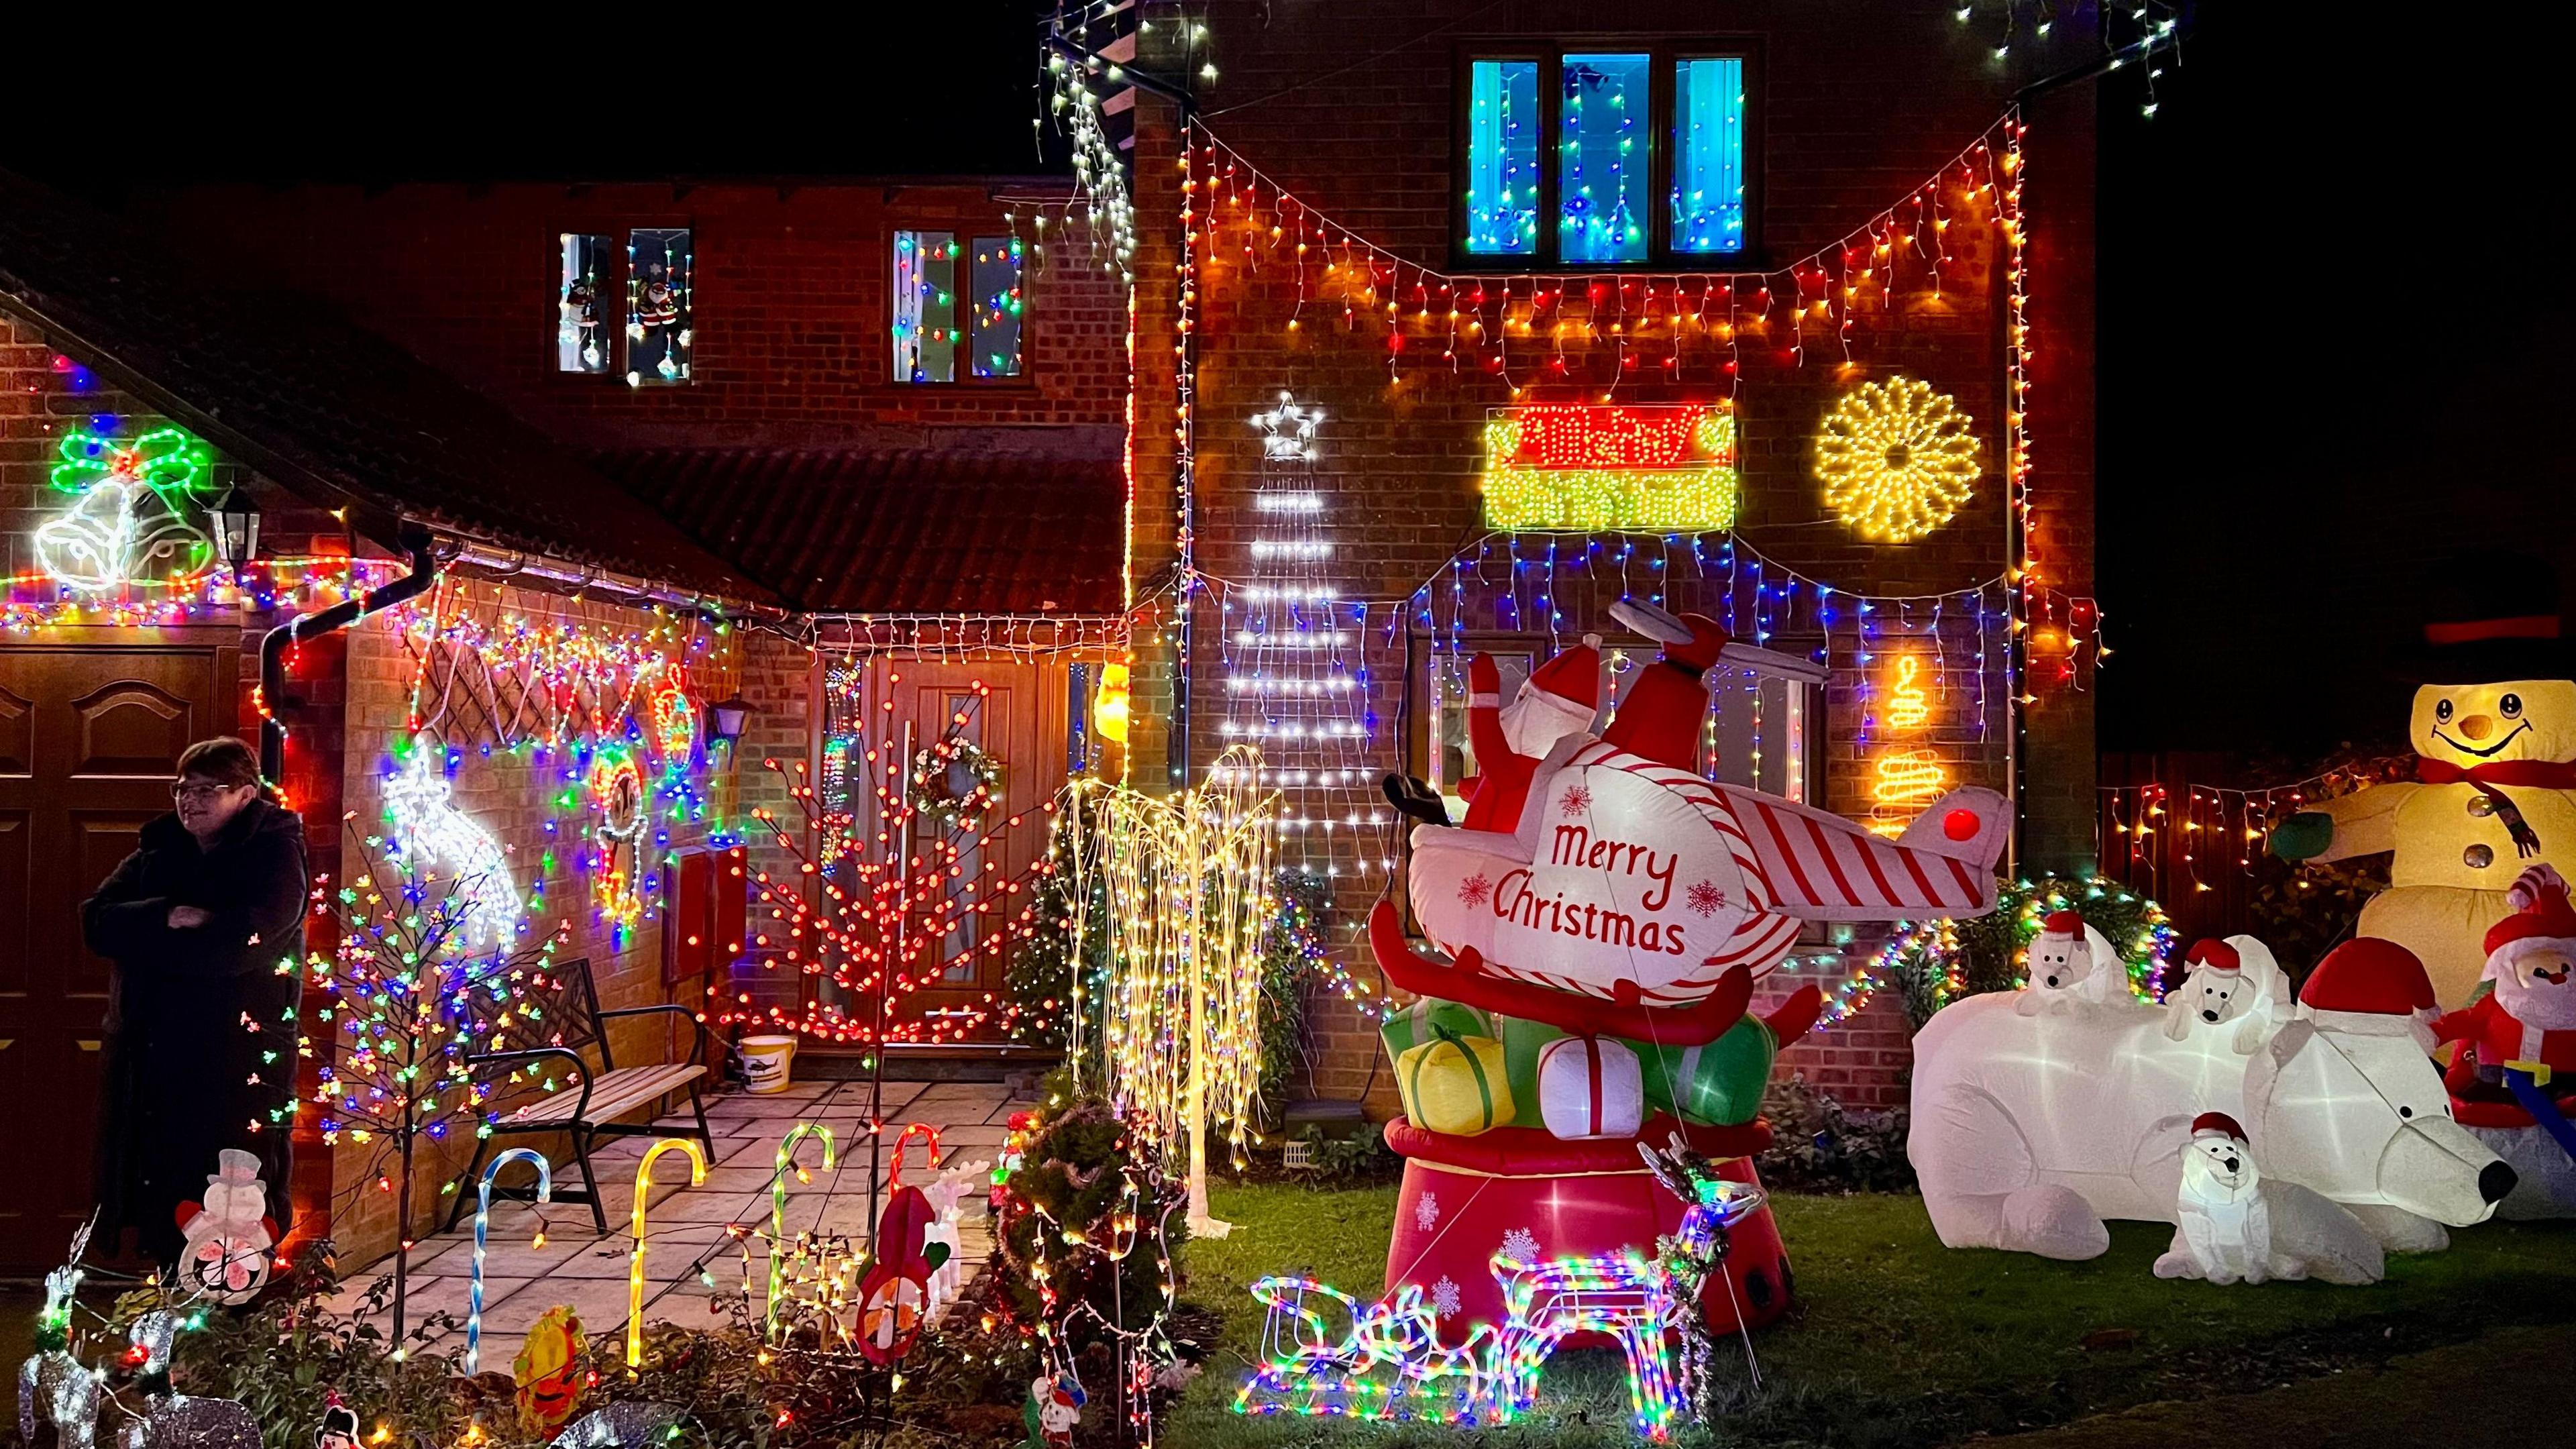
(200, 1052)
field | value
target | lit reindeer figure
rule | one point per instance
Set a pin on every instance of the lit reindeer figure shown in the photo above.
(54, 1387)
(1492, 1378)
(174, 1420)
(1626, 1296)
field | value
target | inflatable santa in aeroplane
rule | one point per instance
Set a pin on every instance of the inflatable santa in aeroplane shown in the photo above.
(1608, 912)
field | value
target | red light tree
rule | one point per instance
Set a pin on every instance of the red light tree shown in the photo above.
(895, 884)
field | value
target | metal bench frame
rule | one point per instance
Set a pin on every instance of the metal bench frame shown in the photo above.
(579, 998)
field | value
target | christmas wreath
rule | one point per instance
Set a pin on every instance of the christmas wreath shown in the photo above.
(954, 782)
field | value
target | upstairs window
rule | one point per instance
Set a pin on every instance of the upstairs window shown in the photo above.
(1606, 157)
(953, 302)
(661, 284)
(995, 271)
(581, 344)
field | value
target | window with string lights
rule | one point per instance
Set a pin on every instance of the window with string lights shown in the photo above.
(958, 307)
(1613, 153)
(1765, 727)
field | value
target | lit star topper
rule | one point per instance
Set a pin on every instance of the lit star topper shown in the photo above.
(1288, 431)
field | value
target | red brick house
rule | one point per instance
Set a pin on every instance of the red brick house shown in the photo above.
(746, 440)
(1577, 296)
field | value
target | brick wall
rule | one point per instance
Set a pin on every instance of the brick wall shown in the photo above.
(514, 795)
(791, 345)
(44, 393)
(1855, 111)
(784, 682)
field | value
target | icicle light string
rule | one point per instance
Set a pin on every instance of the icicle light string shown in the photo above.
(1498, 315)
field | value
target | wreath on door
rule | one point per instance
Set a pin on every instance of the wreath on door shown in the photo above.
(955, 782)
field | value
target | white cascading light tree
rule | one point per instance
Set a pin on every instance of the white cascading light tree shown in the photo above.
(1188, 897)
(1296, 673)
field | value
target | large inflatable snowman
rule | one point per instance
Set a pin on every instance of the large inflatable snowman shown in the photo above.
(1607, 912)
(2494, 735)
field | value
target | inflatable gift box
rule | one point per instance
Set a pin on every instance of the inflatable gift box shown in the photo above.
(1418, 1024)
(1455, 1084)
(1589, 1087)
(1719, 1084)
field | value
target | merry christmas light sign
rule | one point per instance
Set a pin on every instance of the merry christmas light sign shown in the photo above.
(1577, 466)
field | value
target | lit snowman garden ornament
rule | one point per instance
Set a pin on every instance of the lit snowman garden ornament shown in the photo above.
(229, 1236)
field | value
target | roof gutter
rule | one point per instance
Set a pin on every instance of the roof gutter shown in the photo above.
(511, 564)
(273, 647)
(368, 519)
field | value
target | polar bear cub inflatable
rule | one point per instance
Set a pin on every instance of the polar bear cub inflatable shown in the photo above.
(2234, 1227)
(2029, 1131)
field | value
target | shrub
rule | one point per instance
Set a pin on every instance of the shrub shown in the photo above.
(1819, 1145)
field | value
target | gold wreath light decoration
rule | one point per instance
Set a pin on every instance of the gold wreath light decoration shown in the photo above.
(1897, 459)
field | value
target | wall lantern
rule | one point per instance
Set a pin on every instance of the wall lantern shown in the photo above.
(726, 719)
(236, 521)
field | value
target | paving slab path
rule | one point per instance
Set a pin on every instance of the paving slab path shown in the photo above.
(687, 1229)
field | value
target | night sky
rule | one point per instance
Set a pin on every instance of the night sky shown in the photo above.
(2335, 332)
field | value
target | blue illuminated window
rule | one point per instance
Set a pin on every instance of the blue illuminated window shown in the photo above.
(1577, 156)
(1708, 155)
(1605, 157)
(1502, 157)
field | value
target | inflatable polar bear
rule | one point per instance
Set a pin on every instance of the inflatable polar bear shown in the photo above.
(2029, 1131)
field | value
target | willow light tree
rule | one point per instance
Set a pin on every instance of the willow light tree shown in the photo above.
(1187, 900)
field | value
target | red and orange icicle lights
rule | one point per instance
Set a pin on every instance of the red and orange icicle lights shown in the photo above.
(1537, 329)
(878, 908)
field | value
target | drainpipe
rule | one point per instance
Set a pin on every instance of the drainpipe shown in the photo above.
(272, 648)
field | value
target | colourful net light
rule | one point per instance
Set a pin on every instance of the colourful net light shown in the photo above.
(1664, 469)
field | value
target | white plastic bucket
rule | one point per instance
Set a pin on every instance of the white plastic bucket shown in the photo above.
(765, 1062)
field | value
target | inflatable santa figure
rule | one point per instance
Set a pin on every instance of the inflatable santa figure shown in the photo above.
(1607, 912)
(2530, 1017)
(2513, 1084)
(1560, 698)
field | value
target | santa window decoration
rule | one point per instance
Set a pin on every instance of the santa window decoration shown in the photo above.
(661, 277)
(1575, 466)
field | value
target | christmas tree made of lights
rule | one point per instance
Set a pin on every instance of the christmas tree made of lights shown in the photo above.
(1297, 678)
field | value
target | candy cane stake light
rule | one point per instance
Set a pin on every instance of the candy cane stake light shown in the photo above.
(483, 1225)
(778, 1212)
(635, 1262)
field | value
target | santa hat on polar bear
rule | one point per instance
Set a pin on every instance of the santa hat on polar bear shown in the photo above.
(2371, 987)
(2216, 1126)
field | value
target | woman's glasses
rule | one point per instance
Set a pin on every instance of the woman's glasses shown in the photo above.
(198, 790)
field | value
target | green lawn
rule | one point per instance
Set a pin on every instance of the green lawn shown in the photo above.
(1901, 1341)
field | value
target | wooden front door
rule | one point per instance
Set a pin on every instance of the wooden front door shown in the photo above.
(1019, 721)
(89, 737)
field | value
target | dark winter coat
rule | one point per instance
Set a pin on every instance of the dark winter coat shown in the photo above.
(199, 1045)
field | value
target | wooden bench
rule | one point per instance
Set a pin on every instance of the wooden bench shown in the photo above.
(561, 1016)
